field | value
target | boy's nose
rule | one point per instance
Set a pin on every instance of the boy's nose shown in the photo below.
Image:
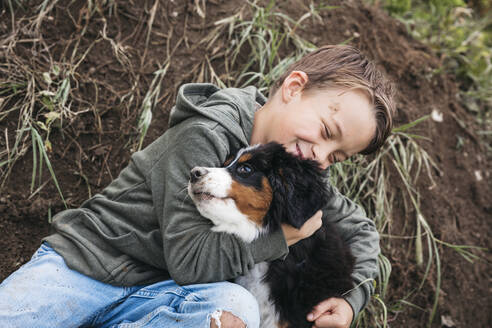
(196, 173)
(321, 154)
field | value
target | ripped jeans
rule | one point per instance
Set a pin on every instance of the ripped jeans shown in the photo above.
(45, 293)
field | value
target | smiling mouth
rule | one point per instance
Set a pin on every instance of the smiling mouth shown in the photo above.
(299, 152)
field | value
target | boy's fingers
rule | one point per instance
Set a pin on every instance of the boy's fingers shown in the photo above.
(293, 235)
(333, 320)
(325, 306)
(333, 312)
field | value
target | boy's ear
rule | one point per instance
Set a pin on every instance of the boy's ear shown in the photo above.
(293, 85)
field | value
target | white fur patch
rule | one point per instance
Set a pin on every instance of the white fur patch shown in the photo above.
(253, 281)
(241, 152)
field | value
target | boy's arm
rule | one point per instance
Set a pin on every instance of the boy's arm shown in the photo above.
(194, 253)
(360, 233)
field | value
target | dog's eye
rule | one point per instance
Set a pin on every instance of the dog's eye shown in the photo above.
(244, 170)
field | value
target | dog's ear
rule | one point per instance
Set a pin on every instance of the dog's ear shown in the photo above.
(299, 189)
(297, 195)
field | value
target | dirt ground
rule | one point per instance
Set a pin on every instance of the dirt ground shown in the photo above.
(94, 148)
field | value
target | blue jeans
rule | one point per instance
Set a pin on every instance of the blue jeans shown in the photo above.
(46, 293)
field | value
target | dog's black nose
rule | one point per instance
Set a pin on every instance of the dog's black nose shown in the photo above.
(196, 173)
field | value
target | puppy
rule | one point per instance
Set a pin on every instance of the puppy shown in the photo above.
(261, 188)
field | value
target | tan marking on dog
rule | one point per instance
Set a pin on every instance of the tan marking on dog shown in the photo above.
(228, 161)
(244, 158)
(252, 202)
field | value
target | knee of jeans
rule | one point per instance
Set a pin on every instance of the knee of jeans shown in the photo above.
(241, 303)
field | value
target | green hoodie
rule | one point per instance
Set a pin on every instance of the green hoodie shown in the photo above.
(143, 228)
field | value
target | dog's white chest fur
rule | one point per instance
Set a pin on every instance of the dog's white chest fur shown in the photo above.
(253, 281)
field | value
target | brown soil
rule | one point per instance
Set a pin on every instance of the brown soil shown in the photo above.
(95, 145)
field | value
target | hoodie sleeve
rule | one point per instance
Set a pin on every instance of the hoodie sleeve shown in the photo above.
(193, 253)
(360, 233)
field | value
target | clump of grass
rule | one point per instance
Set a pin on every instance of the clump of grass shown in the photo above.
(458, 35)
(37, 90)
(461, 35)
(41, 103)
(44, 92)
(262, 36)
(366, 181)
(151, 98)
(38, 146)
(39, 98)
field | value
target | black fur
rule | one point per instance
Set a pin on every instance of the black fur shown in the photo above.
(318, 267)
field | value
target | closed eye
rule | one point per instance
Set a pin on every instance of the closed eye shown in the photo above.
(327, 132)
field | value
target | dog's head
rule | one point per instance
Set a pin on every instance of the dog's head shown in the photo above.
(262, 187)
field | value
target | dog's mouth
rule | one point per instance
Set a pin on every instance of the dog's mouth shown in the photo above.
(203, 195)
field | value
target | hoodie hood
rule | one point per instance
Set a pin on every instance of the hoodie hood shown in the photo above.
(232, 108)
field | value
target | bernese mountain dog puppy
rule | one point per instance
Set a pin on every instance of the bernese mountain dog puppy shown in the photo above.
(260, 188)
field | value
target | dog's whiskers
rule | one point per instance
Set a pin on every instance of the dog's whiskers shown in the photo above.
(185, 187)
(186, 195)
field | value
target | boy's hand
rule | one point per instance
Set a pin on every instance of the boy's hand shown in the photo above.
(332, 313)
(293, 235)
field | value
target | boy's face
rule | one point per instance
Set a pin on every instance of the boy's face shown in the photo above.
(326, 125)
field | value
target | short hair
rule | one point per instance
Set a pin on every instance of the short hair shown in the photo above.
(346, 66)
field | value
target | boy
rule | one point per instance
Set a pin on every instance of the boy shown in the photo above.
(140, 255)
